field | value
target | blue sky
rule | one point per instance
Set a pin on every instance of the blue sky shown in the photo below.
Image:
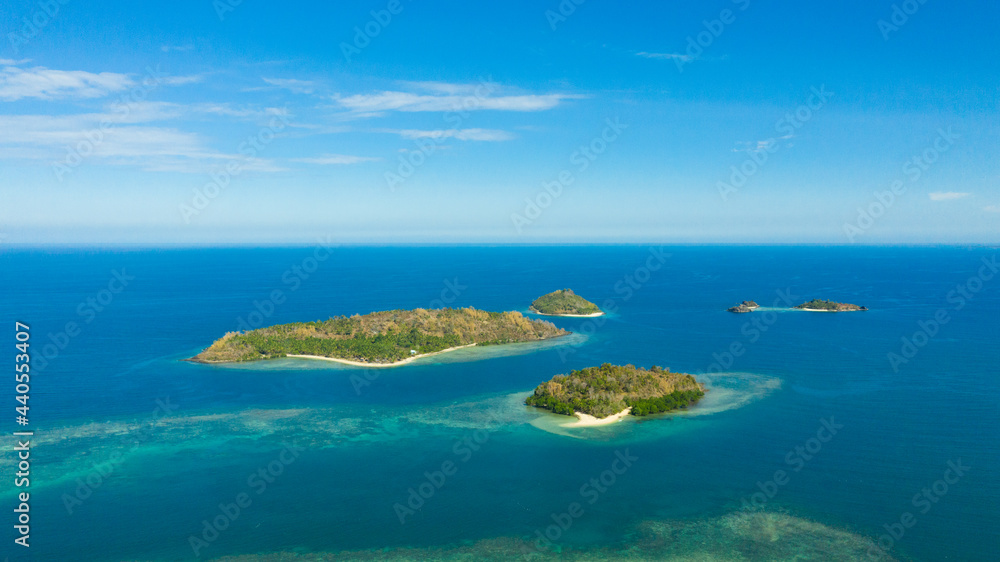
(862, 122)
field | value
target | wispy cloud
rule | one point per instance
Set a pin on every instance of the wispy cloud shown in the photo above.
(130, 139)
(181, 80)
(293, 85)
(992, 208)
(664, 56)
(409, 102)
(488, 135)
(336, 160)
(453, 89)
(947, 195)
(755, 147)
(180, 48)
(44, 83)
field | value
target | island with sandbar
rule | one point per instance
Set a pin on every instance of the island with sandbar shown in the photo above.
(744, 307)
(820, 305)
(610, 393)
(565, 302)
(380, 339)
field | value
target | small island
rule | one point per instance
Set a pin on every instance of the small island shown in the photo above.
(609, 393)
(565, 303)
(744, 307)
(380, 339)
(820, 305)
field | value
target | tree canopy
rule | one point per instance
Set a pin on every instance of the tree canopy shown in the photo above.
(380, 337)
(609, 389)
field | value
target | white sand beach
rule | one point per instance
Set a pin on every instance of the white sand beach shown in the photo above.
(533, 311)
(587, 420)
(379, 365)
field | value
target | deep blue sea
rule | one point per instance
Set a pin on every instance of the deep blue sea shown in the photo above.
(849, 450)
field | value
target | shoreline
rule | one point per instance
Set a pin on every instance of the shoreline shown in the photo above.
(587, 420)
(593, 315)
(378, 365)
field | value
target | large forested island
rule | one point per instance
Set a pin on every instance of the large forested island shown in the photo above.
(820, 305)
(565, 302)
(380, 338)
(614, 389)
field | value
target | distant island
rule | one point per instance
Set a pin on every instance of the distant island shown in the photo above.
(565, 303)
(744, 307)
(820, 305)
(599, 395)
(380, 339)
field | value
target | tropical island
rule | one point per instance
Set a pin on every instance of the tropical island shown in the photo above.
(744, 307)
(565, 303)
(609, 393)
(820, 305)
(380, 339)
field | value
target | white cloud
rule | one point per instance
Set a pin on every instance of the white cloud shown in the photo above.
(181, 48)
(992, 208)
(947, 195)
(490, 135)
(755, 147)
(181, 80)
(44, 83)
(453, 89)
(404, 101)
(336, 160)
(124, 139)
(664, 56)
(293, 85)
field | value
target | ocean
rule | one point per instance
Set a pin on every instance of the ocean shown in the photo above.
(823, 436)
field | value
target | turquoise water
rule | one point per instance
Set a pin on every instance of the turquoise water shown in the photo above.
(348, 444)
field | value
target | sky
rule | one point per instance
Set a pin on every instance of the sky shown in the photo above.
(580, 121)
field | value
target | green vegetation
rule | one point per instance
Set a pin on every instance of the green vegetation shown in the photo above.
(380, 337)
(564, 302)
(609, 389)
(820, 304)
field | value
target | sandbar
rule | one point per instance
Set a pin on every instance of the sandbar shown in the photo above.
(587, 420)
(533, 311)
